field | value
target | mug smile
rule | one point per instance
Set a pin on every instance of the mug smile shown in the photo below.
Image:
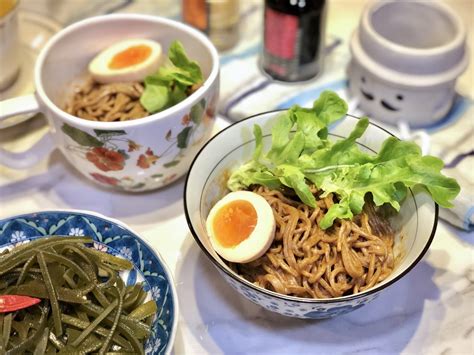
(367, 95)
(388, 106)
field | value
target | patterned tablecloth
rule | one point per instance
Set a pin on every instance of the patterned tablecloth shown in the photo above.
(429, 311)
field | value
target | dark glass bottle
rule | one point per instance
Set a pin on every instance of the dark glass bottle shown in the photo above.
(294, 33)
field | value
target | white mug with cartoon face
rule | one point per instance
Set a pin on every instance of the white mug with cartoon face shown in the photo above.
(135, 155)
(402, 68)
(393, 103)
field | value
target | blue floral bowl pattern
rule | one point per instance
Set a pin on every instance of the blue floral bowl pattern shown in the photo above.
(296, 308)
(114, 238)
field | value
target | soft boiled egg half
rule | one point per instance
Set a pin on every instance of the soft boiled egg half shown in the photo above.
(126, 61)
(241, 226)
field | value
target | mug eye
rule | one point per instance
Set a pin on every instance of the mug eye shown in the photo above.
(363, 79)
(399, 97)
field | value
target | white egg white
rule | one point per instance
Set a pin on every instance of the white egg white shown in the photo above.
(258, 241)
(102, 73)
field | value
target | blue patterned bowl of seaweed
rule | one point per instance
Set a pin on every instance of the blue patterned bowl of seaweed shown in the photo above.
(115, 238)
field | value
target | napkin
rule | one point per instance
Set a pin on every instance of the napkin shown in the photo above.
(67, 12)
(246, 90)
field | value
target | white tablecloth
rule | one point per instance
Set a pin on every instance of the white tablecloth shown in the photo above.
(429, 311)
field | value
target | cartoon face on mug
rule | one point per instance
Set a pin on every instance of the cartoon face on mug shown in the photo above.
(389, 103)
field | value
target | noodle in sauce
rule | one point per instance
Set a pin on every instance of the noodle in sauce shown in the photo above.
(306, 261)
(107, 102)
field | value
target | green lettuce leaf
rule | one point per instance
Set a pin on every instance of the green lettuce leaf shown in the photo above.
(310, 128)
(301, 154)
(252, 173)
(280, 136)
(292, 177)
(189, 68)
(155, 97)
(176, 94)
(257, 132)
(169, 85)
(329, 107)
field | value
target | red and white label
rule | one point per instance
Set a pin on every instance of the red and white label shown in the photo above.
(280, 34)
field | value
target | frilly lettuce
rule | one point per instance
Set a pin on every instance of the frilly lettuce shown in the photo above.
(169, 85)
(306, 156)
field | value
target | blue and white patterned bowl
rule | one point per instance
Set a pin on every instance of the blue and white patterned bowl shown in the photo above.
(115, 238)
(206, 184)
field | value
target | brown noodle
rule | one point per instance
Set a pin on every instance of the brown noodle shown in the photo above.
(306, 261)
(107, 102)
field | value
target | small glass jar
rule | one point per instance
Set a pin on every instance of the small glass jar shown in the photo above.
(219, 19)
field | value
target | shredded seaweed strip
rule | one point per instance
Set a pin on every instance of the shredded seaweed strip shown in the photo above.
(85, 308)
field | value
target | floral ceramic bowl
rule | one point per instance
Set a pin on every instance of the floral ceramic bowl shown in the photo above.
(135, 155)
(206, 184)
(115, 238)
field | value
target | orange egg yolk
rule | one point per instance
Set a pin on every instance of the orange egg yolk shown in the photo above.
(131, 56)
(234, 223)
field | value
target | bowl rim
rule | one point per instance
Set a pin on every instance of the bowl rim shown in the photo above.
(166, 269)
(454, 43)
(241, 280)
(186, 104)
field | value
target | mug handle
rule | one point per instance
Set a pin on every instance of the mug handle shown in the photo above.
(17, 106)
